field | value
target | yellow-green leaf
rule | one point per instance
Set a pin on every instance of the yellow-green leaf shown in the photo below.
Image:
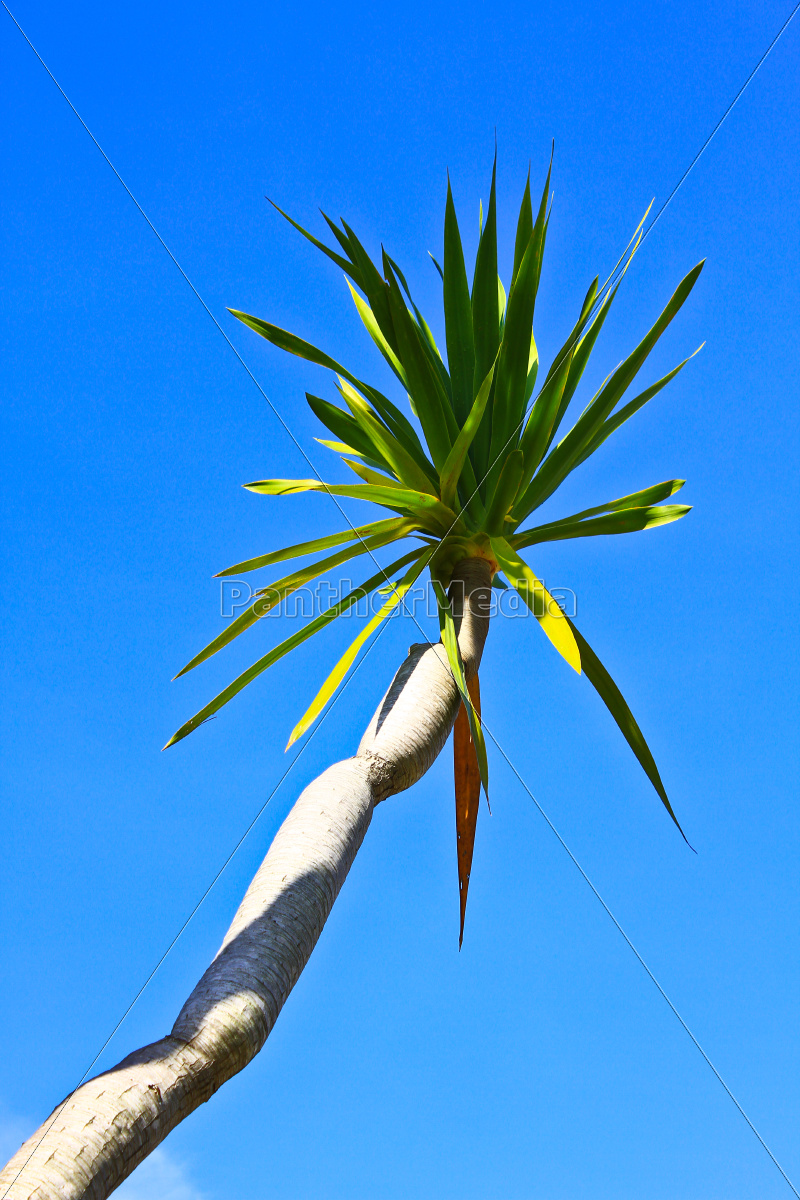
(267, 598)
(451, 471)
(285, 647)
(615, 702)
(388, 447)
(374, 331)
(539, 601)
(418, 503)
(628, 520)
(348, 658)
(312, 547)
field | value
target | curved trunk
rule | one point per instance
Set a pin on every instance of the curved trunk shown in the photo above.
(101, 1132)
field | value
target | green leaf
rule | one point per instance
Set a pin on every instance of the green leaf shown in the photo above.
(457, 314)
(485, 322)
(501, 303)
(427, 509)
(451, 471)
(341, 448)
(427, 342)
(553, 399)
(374, 331)
(435, 354)
(370, 476)
(539, 601)
(542, 219)
(533, 370)
(312, 547)
(629, 251)
(619, 418)
(287, 646)
(291, 343)
(524, 228)
(589, 299)
(426, 336)
(447, 631)
(399, 425)
(614, 701)
(536, 434)
(424, 384)
(348, 658)
(581, 352)
(570, 451)
(504, 493)
(631, 520)
(651, 495)
(389, 449)
(343, 425)
(438, 268)
(511, 396)
(394, 419)
(343, 241)
(337, 258)
(373, 287)
(400, 276)
(513, 363)
(584, 347)
(620, 380)
(268, 598)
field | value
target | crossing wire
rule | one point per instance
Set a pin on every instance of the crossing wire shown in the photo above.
(291, 435)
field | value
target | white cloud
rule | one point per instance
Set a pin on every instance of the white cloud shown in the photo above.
(160, 1177)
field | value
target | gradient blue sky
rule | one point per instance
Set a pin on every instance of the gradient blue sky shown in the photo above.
(540, 1062)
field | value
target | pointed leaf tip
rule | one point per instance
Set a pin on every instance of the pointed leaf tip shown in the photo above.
(614, 701)
(467, 781)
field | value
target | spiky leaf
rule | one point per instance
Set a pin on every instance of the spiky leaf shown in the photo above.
(313, 547)
(344, 664)
(614, 701)
(291, 643)
(457, 315)
(539, 601)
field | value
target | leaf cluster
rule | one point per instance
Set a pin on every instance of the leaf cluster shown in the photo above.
(480, 450)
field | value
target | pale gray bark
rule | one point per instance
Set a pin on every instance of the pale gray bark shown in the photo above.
(94, 1139)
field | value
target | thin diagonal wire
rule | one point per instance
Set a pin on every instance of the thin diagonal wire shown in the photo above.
(593, 312)
(598, 301)
(589, 320)
(272, 407)
(724, 116)
(198, 905)
(620, 268)
(642, 963)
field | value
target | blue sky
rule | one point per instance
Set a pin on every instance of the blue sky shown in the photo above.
(539, 1062)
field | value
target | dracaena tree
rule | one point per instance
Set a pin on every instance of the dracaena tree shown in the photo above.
(463, 471)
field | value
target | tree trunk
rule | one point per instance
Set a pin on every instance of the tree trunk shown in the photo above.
(102, 1131)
